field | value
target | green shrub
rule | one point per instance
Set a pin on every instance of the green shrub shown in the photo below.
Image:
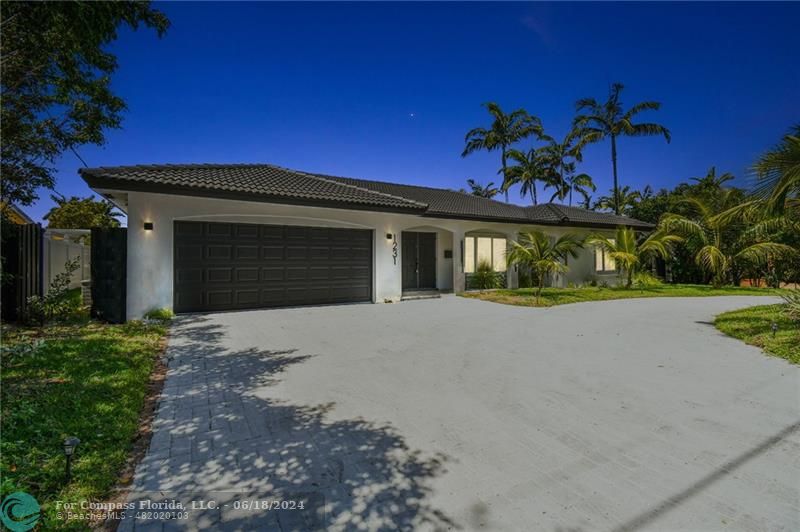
(59, 303)
(485, 277)
(642, 280)
(159, 314)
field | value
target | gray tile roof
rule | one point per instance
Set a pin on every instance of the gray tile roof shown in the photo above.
(259, 180)
(263, 182)
(452, 204)
(567, 215)
(442, 202)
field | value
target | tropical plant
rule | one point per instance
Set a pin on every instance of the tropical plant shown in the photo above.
(485, 278)
(503, 132)
(560, 159)
(620, 203)
(476, 189)
(528, 170)
(722, 238)
(598, 121)
(778, 175)
(543, 255)
(792, 300)
(631, 253)
(56, 73)
(56, 304)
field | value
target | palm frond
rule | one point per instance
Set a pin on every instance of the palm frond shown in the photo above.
(684, 227)
(646, 130)
(587, 104)
(778, 172)
(711, 259)
(641, 106)
(761, 252)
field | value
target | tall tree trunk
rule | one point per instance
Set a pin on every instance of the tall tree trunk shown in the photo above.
(533, 195)
(570, 196)
(505, 177)
(614, 165)
(539, 291)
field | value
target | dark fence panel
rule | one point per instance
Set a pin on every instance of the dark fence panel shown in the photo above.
(22, 250)
(109, 273)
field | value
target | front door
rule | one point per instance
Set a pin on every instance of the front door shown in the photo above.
(419, 260)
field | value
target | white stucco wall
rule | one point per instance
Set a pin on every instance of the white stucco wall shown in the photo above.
(150, 253)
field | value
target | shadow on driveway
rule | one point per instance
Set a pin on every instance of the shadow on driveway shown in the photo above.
(217, 436)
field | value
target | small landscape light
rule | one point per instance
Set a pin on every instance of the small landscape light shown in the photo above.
(148, 226)
(774, 328)
(69, 449)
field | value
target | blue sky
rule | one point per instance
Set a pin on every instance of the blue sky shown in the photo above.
(387, 91)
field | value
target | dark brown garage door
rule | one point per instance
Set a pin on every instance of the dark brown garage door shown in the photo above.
(224, 266)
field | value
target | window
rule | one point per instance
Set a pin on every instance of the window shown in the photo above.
(499, 254)
(469, 254)
(478, 249)
(602, 262)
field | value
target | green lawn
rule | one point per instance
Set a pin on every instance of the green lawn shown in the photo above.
(85, 380)
(561, 296)
(754, 326)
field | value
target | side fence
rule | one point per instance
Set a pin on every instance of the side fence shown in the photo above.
(61, 246)
(109, 273)
(22, 251)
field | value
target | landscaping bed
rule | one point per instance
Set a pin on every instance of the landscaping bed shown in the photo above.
(86, 380)
(562, 296)
(754, 326)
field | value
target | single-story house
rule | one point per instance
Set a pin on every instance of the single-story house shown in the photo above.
(210, 237)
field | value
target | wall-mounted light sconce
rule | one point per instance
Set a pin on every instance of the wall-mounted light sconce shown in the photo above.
(389, 236)
(148, 226)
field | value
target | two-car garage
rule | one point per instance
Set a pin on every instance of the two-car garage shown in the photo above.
(230, 266)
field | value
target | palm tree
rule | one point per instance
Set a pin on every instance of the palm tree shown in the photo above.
(529, 169)
(542, 255)
(778, 174)
(489, 191)
(561, 159)
(620, 203)
(610, 120)
(505, 130)
(631, 253)
(711, 181)
(717, 238)
(580, 183)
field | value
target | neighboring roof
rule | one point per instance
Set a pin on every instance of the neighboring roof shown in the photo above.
(263, 182)
(15, 214)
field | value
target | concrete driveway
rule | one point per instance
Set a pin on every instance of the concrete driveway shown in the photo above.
(458, 414)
